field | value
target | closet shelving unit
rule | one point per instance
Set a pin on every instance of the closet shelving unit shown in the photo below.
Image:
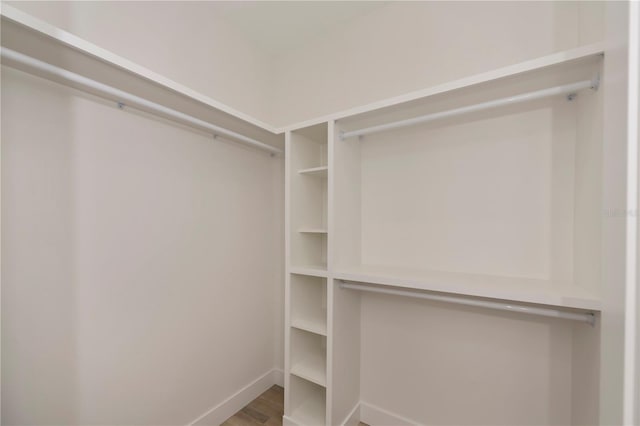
(519, 222)
(500, 204)
(307, 174)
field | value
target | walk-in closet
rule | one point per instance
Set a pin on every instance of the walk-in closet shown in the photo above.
(270, 213)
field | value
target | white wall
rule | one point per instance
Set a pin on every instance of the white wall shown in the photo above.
(185, 41)
(407, 46)
(139, 259)
(500, 368)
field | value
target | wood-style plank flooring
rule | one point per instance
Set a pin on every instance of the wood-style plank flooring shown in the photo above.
(265, 410)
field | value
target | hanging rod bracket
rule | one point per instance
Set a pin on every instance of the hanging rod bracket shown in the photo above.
(595, 82)
(121, 105)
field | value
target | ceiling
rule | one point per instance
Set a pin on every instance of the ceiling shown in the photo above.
(276, 27)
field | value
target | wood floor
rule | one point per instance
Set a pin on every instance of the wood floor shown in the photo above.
(265, 410)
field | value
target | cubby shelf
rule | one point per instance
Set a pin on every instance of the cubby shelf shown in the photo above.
(313, 325)
(312, 368)
(315, 171)
(497, 287)
(312, 230)
(310, 412)
(307, 402)
(317, 270)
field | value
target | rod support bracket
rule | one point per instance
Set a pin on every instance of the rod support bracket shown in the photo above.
(595, 82)
(571, 96)
(121, 105)
(591, 319)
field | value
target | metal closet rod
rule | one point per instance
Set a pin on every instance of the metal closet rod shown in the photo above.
(123, 98)
(567, 89)
(523, 309)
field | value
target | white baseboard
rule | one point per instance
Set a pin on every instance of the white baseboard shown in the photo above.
(376, 416)
(288, 421)
(353, 418)
(361, 412)
(278, 377)
(227, 408)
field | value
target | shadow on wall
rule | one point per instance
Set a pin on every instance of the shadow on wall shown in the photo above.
(39, 352)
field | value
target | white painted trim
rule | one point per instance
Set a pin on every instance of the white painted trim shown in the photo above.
(84, 46)
(376, 416)
(227, 408)
(288, 421)
(353, 418)
(515, 69)
(630, 402)
(278, 377)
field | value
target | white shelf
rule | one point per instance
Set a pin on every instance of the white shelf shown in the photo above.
(310, 413)
(313, 325)
(568, 56)
(312, 231)
(40, 40)
(312, 368)
(315, 171)
(308, 298)
(308, 403)
(318, 270)
(496, 287)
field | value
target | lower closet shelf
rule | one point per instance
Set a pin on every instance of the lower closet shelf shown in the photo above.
(515, 289)
(312, 368)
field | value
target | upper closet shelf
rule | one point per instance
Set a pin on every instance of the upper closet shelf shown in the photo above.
(571, 90)
(515, 289)
(68, 56)
(548, 65)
